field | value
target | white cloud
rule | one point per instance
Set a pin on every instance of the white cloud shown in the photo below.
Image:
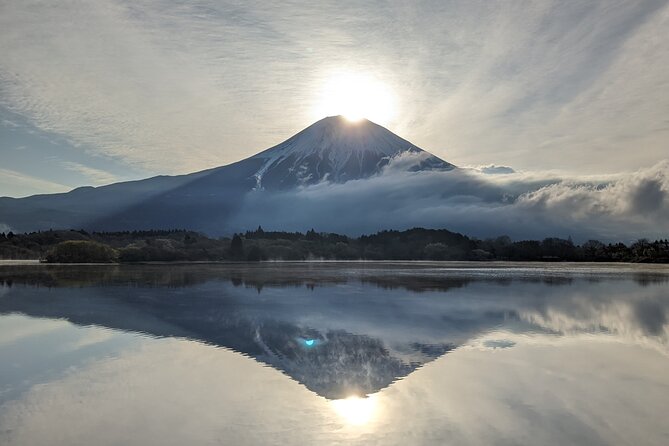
(97, 176)
(623, 207)
(494, 170)
(179, 87)
(94, 73)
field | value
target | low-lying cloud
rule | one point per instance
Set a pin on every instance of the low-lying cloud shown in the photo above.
(622, 207)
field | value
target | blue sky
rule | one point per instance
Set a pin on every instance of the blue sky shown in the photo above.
(93, 92)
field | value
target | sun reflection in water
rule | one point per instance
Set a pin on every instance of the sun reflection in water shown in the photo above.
(355, 410)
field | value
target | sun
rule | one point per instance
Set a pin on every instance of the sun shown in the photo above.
(356, 96)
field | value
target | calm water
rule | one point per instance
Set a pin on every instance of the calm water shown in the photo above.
(335, 353)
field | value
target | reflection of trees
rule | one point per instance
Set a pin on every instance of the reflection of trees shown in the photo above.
(169, 275)
(310, 275)
(645, 279)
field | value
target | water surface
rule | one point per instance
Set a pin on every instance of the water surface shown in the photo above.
(334, 353)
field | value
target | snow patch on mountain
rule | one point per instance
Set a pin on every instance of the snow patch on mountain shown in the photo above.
(336, 150)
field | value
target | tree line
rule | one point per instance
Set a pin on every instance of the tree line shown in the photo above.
(66, 246)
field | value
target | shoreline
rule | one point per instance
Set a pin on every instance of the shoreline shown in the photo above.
(471, 263)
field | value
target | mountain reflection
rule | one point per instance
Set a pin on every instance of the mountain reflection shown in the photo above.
(344, 330)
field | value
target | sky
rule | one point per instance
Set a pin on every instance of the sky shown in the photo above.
(93, 92)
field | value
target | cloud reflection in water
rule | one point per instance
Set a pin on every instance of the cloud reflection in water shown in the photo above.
(484, 355)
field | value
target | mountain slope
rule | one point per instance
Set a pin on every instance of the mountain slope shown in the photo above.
(336, 150)
(331, 150)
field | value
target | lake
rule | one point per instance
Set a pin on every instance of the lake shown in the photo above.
(416, 353)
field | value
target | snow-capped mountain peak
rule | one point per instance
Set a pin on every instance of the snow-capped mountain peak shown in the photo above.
(336, 150)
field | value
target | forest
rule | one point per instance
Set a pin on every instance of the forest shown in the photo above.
(178, 245)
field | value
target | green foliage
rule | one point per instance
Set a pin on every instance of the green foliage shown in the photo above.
(81, 251)
(436, 251)
(258, 245)
(256, 254)
(236, 248)
(343, 251)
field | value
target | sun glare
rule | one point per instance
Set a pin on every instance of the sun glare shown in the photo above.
(355, 410)
(356, 96)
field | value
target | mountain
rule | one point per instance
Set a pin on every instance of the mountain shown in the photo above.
(336, 150)
(331, 150)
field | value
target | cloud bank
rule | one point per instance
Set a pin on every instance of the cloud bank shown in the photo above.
(623, 207)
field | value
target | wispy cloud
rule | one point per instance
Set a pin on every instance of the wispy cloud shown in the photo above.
(22, 184)
(174, 87)
(96, 176)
